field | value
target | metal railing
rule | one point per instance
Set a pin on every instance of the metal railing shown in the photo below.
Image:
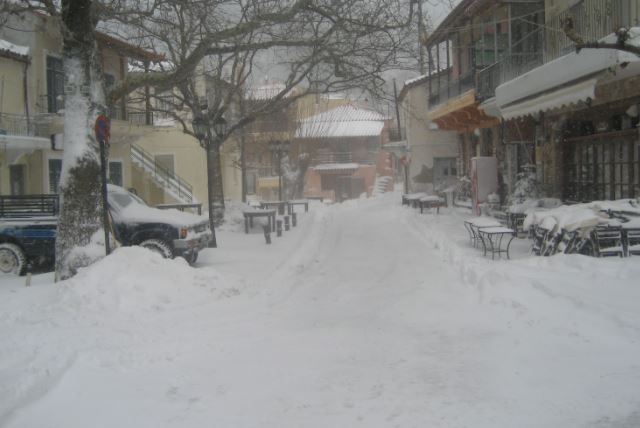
(445, 88)
(38, 125)
(172, 182)
(344, 157)
(508, 68)
(593, 20)
(140, 117)
(396, 134)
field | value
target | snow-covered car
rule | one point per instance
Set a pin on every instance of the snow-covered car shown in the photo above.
(171, 233)
(28, 229)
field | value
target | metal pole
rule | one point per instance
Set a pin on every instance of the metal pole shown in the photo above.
(279, 175)
(213, 243)
(420, 33)
(406, 179)
(105, 204)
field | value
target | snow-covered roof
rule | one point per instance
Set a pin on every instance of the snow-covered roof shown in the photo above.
(343, 121)
(8, 47)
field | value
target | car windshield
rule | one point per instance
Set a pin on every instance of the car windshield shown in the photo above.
(123, 199)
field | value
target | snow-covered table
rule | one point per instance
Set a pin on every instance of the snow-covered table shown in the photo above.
(280, 205)
(412, 199)
(431, 201)
(492, 239)
(473, 224)
(294, 202)
(250, 213)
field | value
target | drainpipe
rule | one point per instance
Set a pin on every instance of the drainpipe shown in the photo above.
(25, 84)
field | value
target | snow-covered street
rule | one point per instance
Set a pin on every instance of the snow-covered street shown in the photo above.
(367, 314)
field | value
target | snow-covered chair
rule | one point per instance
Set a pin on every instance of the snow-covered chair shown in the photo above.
(608, 241)
(632, 242)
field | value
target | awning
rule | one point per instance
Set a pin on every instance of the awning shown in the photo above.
(562, 82)
(562, 97)
(14, 146)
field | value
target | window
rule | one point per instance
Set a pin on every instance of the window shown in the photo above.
(165, 162)
(444, 169)
(602, 167)
(55, 84)
(115, 173)
(55, 168)
(251, 183)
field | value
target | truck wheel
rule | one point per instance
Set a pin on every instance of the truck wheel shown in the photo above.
(12, 259)
(158, 246)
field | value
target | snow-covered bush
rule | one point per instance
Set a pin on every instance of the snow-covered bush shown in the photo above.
(526, 186)
(463, 188)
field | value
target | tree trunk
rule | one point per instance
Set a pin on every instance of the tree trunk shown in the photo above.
(80, 200)
(214, 183)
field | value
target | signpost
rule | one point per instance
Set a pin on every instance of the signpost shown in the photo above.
(103, 133)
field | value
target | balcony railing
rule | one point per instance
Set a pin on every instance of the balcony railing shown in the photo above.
(444, 88)
(593, 20)
(396, 134)
(38, 125)
(508, 68)
(344, 157)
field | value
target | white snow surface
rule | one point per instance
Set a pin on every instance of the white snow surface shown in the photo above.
(343, 121)
(13, 48)
(366, 314)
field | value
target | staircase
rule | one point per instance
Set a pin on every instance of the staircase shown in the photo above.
(173, 184)
(383, 184)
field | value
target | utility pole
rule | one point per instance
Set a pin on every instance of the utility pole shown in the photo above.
(420, 34)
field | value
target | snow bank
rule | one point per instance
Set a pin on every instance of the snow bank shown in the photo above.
(136, 282)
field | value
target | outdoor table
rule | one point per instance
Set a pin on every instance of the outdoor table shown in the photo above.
(492, 239)
(251, 213)
(431, 201)
(412, 199)
(304, 202)
(473, 224)
(280, 205)
(316, 198)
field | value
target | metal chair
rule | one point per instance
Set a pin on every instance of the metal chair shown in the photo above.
(632, 242)
(607, 241)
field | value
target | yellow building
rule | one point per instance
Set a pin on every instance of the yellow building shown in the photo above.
(148, 153)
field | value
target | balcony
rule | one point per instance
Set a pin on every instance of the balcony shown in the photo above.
(508, 68)
(396, 135)
(368, 158)
(445, 87)
(593, 20)
(38, 125)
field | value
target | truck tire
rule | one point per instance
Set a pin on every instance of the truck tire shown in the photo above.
(12, 259)
(158, 246)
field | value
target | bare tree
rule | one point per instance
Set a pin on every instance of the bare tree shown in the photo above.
(621, 43)
(320, 45)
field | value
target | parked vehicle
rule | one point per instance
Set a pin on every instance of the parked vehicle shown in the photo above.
(28, 228)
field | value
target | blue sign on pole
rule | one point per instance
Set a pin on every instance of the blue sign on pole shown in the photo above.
(103, 128)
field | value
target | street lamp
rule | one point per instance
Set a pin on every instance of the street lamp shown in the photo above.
(279, 148)
(203, 134)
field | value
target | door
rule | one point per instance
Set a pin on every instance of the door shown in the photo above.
(17, 179)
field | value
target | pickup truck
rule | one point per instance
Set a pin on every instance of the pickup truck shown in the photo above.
(28, 229)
